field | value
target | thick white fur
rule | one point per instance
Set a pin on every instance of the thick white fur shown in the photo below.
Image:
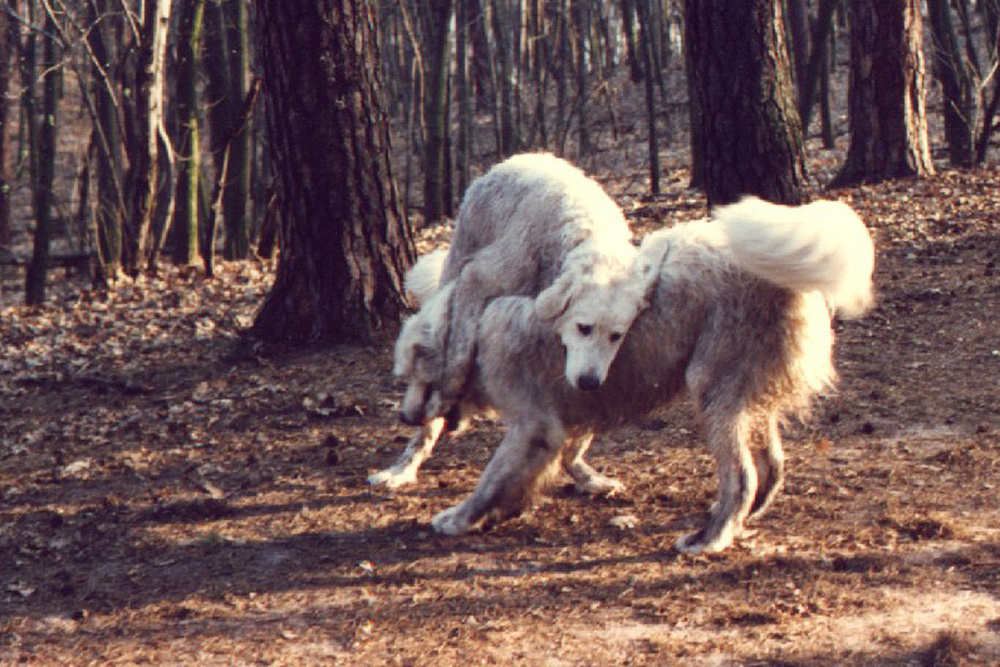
(749, 352)
(533, 223)
(821, 246)
(424, 277)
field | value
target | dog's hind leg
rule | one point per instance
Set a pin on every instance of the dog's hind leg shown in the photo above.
(418, 449)
(728, 441)
(770, 465)
(527, 453)
(585, 478)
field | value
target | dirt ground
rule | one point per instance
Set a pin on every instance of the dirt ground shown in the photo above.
(164, 501)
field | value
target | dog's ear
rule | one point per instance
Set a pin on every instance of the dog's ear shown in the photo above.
(554, 300)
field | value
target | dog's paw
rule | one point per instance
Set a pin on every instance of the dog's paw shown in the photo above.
(599, 485)
(391, 478)
(450, 522)
(701, 542)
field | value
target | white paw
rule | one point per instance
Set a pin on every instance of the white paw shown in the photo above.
(698, 543)
(391, 478)
(599, 485)
(450, 522)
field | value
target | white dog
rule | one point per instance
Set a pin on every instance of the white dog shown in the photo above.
(528, 221)
(740, 315)
(533, 223)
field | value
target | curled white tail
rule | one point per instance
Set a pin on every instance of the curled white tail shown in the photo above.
(822, 246)
(423, 278)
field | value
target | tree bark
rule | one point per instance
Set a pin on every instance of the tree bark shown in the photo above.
(959, 85)
(8, 38)
(236, 192)
(344, 243)
(646, 54)
(38, 267)
(436, 19)
(888, 119)
(109, 203)
(146, 129)
(186, 218)
(750, 138)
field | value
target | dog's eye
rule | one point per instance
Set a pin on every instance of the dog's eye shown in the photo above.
(615, 337)
(584, 329)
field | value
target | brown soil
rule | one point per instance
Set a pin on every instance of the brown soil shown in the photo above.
(164, 502)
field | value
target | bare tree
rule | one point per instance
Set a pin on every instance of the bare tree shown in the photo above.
(147, 133)
(35, 276)
(965, 63)
(186, 214)
(344, 242)
(8, 39)
(888, 119)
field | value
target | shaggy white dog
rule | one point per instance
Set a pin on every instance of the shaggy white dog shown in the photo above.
(527, 221)
(739, 315)
(533, 223)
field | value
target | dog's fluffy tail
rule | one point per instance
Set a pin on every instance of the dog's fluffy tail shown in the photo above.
(424, 277)
(821, 246)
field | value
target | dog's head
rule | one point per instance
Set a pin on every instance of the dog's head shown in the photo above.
(592, 310)
(419, 358)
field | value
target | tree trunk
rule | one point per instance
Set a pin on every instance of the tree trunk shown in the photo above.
(821, 43)
(463, 146)
(886, 99)
(8, 38)
(186, 222)
(581, 18)
(959, 86)
(504, 117)
(750, 136)
(38, 267)
(825, 112)
(344, 248)
(236, 193)
(436, 20)
(646, 54)
(109, 203)
(145, 136)
(632, 52)
(798, 30)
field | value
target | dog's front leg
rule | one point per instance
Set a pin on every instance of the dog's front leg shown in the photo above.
(508, 483)
(585, 478)
(418, 449)
(728, 442)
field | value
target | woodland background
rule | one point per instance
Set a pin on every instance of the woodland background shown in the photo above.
(172, 491)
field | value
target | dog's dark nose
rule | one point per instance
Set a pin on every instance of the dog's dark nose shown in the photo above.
(588, 382)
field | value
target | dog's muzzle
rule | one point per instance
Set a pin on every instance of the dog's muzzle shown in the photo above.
(588, 382)
(409, 419)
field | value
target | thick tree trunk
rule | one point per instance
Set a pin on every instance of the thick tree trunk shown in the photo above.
(344, 243)
(886, 99)
(750, 136)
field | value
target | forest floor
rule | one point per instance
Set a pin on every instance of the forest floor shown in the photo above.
(164, 501)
